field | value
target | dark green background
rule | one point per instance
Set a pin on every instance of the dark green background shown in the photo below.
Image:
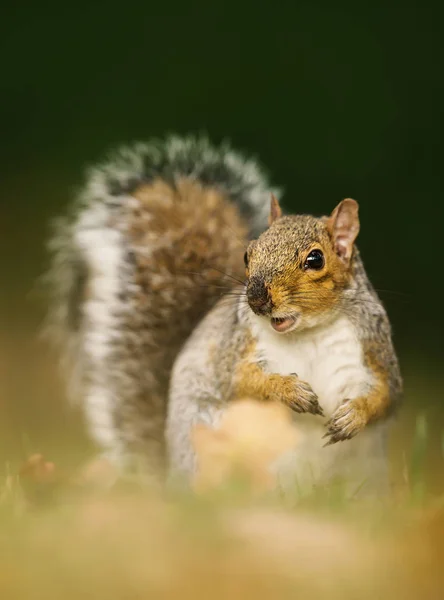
(336, 99)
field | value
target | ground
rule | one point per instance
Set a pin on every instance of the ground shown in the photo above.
(71, 531)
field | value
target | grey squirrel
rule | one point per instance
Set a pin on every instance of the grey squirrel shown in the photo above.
(179, 287)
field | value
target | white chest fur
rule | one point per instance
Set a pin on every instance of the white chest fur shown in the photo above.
(329, 358)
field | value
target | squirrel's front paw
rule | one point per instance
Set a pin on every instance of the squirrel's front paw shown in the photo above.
(348, 420)
(299, 396)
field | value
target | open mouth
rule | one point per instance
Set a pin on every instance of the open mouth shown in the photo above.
(284, 324)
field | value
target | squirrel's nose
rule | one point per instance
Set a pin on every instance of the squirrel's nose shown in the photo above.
(258, 297)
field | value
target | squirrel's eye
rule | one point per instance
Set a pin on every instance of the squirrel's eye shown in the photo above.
(315, 260)
(246, 259)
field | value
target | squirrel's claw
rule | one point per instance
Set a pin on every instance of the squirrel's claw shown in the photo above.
(345, 423)
(313, 407)
(306, 401)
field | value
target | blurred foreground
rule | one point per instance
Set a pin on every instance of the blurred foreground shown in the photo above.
(73, 531)
(131, 545)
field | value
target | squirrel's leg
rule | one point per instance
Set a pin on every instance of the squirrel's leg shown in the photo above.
(252, 381)
(353, 414)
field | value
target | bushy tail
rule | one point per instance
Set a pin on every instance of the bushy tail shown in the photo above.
(155, 238)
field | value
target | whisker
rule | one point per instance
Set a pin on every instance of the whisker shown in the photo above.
(218, 287)
(201, 274)
(228, 295)
(394, 292)
(227, 275)
(236, 236)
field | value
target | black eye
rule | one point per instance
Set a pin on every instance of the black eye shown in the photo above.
(315, 260)
(246, 259)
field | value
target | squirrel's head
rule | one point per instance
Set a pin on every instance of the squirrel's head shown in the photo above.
(299, 267)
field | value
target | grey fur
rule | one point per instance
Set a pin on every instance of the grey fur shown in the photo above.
(204, 371)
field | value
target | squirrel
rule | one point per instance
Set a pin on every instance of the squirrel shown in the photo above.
(179, 286)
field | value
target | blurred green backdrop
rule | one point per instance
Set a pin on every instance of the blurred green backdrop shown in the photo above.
(336, 99)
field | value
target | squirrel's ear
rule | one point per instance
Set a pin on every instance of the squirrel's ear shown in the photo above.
(275, 210)
(343, 225)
